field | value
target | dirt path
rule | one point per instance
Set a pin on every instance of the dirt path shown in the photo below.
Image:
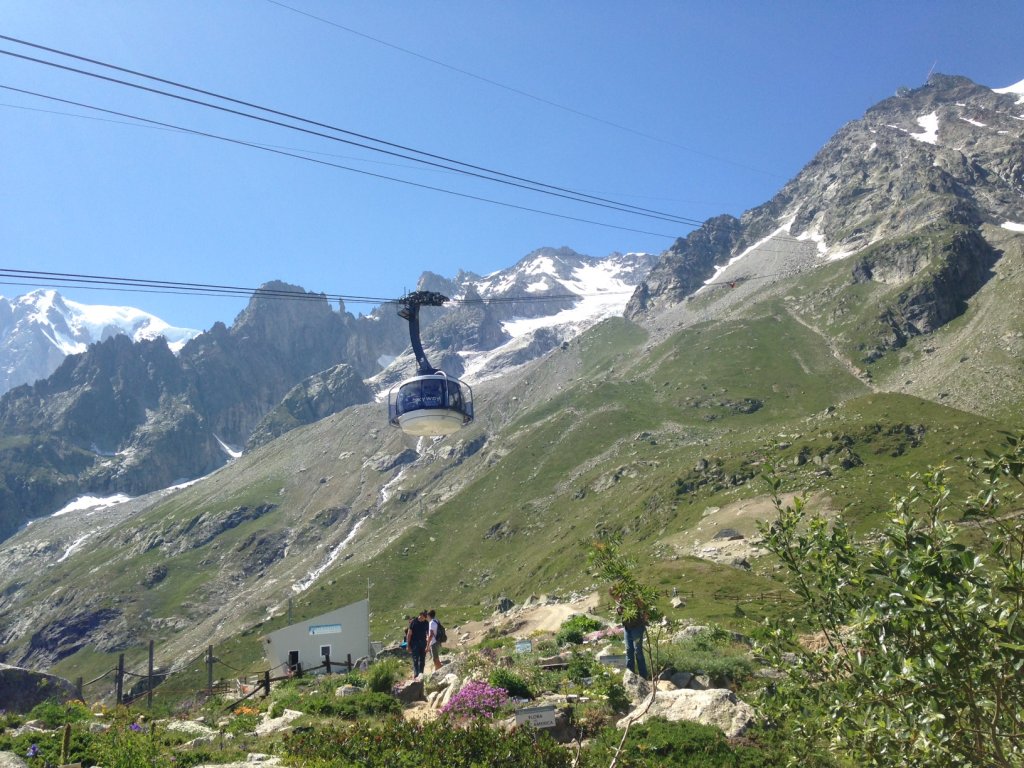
(523, 622)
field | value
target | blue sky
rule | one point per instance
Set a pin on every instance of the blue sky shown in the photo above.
(691, 108)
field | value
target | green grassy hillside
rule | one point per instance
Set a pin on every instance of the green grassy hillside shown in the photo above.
(616, 433)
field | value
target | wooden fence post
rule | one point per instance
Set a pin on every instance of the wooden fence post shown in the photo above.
(119, 681)
(209, 670)
(298, 669)
(79, 689)
(266, 682)
(327, 662)
(149, 679)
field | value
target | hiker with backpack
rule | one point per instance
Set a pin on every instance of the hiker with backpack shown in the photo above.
(435, 636)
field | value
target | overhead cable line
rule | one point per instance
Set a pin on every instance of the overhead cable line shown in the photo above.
(143, 285)
(436, 160)
(326, 163)
(519, 91)
(134, 124)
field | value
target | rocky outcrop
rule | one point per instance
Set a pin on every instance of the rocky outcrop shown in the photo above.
(68, 632)
(716, 706)
(937, 274)
(684, 267)
(22, 689)
(315, 398)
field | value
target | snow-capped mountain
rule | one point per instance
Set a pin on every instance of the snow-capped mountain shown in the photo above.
(39, 329)
(514, 315)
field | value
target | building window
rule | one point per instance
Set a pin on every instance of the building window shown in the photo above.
(325, 651)
(325, 629)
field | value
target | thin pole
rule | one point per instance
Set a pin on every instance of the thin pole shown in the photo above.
(119, 682)
(209, 670)
(149, 679)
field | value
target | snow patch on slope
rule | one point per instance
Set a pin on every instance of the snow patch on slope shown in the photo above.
(930, 125)
(1017, 88)
(91, 504)
(335, 553)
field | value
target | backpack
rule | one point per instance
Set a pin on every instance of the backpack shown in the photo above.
(441, 636)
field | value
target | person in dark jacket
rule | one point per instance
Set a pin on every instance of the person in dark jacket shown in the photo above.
(416, 640)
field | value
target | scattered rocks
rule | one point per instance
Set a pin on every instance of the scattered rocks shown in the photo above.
(281, 724)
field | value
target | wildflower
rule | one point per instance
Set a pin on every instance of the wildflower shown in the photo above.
(135, 727)
(33, 751)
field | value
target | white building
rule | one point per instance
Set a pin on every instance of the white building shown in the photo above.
(341, 634)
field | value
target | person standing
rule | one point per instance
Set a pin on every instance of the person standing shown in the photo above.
(416, 640)
(434, 639)
(633, 614)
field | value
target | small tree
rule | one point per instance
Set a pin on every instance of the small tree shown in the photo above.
(919, 659)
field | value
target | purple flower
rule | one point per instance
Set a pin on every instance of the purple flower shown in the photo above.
(476, 699)
(33, 751)
(135, 727)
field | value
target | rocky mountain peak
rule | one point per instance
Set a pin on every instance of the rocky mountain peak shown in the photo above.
(947, 154)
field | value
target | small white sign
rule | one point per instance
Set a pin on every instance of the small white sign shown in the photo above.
(538, 717)
(613, 660)
(524, 646)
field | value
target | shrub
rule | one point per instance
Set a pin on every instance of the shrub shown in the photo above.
(661, 743)
(581, 666)
(614, 693)
(362, 705)
(400, 744)
(383, 674)
(242, 724)
(55, 714)
(921, 644)
(712, 653)
(514, 685)
(575, 627)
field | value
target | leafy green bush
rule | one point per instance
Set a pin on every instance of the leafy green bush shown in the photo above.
(383, 674)
(582, 666)
(130, 746)
(613, 691)
(661, 743)
(54, 714)
(242, 724)
(364, 704)
(513, 683)
(921, 644)
(712, 653)
(400, 744)
(496, 641)
(574, 628)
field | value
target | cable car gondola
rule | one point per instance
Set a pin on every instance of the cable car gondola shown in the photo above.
(431, 403)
